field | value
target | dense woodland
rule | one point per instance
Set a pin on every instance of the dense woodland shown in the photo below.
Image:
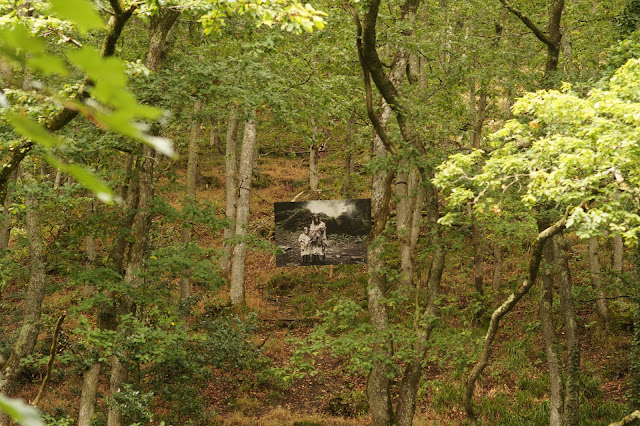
(144, 143)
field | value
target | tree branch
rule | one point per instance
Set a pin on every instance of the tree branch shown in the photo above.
(506, 307)
(52, 356)
(533, 27)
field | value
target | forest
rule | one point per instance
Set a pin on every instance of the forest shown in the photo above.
(145, 143)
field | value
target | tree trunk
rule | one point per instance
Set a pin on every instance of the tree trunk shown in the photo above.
(5, 228)
(406, 405)
(572, 392)
(35, 294)
(214, 139)
(313, 166)
(192, 169)
(506, 307)
(231, 191)
(617, 251)
(88, 397)
(378, 393)
(496, 282)
(548, 332)
(476, 244)
(346, 183)
(242, 217)
(118, 377)
(596, 282)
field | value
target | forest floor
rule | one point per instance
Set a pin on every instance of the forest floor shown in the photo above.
(512, 390)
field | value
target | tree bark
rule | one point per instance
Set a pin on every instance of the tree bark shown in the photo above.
(118, 377)
(548, 332)
(313, 157)
(406, 405)
(348, 166)
(242, 217)
(161, 24)
(596, 282)
(506, 307)
(190, 198)
(231, 191)
(572, 392)
(5, 228)
(378, 393)
(617, 251)
(496, 282)
(35, 293)
(88, 396)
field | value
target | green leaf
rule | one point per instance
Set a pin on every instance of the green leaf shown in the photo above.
(80, 12)
(85, 177)
(20, 412)
(34, 131)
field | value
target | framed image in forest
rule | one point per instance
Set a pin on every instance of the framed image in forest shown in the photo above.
(322, 232)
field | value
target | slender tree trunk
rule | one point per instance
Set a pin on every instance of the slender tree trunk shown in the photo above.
(476, 243)
(192, 169)
(497, 273)
(130, 194)
(548, 332)
(214, 139)
(242, 218)
(596, 281)
(617, 250)
(404, 216)
(572, 392)
(231, 191)
(35, 294)
(5, 228)
(313, 157)
(346, 184)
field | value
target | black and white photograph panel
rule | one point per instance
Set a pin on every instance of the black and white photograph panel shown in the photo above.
(322, 232)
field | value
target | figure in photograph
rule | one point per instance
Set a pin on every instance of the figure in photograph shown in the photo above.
(318, 235)
(305, 246)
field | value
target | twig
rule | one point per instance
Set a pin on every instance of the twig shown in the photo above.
(52, 356)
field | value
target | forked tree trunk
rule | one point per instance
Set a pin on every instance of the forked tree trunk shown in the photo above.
(190, 198)
(231, 191)
(409, 198)
(548, 332)
(406, 404)
(242, 218)
(161, 24)
(506, 307)
(137, 255)
(596, 282)
(572, 391)
(28, 335)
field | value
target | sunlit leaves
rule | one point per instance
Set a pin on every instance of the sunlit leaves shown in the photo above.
(291, 16)
(80, 12)
(563, 151)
